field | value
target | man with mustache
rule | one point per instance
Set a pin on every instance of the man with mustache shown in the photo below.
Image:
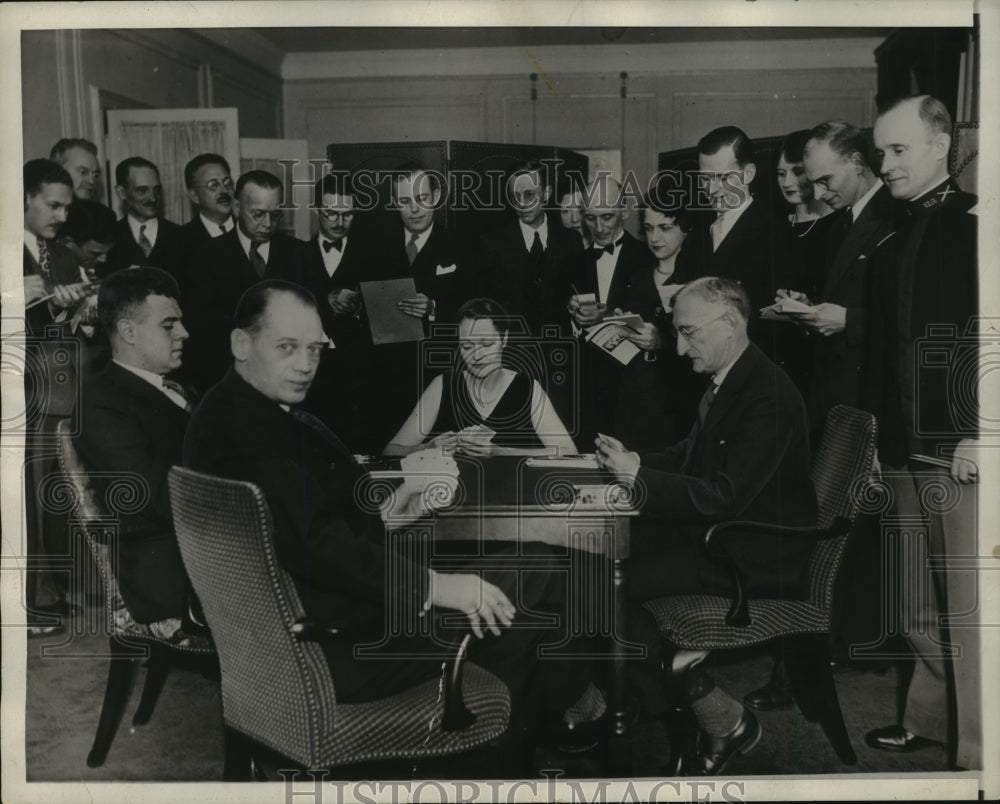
(143, 236)
(210, 189)
(53, 292)
(225, 267)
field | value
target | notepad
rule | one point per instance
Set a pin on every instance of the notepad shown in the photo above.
(387, 322)
(606, 336)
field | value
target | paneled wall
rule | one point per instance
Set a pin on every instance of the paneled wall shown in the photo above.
(67, 74)
(674, 94)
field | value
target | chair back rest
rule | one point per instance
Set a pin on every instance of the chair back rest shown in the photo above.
(840, 471)
(275, 689)
(86, 513)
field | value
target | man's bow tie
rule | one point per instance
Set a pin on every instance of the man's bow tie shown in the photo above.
(328, 244)
(607, 249)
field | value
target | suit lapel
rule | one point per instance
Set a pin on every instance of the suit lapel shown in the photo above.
(859, 238)
(158, 403)
(730, 389)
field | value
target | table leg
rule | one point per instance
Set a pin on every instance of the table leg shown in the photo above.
(619, 705)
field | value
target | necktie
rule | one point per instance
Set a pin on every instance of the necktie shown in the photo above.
(144, 243)
(177, 388)
(850, 217)
(222, 226)
(536, 249)
(606, 249)
(716, 231)
(411, 248)
(337, 244)
(706, 401)
(44, 262)
(257, 261)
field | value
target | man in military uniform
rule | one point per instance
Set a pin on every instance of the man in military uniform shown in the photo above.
(927, 278)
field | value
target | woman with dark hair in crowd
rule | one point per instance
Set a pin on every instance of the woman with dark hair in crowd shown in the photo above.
(809, 218)
(659, 393)
(483, 393)
(808, 233)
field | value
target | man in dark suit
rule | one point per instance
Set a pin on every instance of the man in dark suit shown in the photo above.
(836, 162)
(89, 235)
(529, 264)
(740, 243)
(50, 381)
(747, 457)
(132, 418)
(333, 264)
(227, 266)
(412, 244)
(610, 270)
(210, 189)
(347, 571)
(926, 289)
(143, 236)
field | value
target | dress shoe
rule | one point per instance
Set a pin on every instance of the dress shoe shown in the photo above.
(770, 697)
(896, 738)
(715, 752)
(575, 738)
(39, 629)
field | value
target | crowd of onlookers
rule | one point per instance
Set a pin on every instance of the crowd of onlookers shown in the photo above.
(561, 331)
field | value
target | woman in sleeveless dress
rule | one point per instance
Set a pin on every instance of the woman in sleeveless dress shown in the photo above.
(480, 392)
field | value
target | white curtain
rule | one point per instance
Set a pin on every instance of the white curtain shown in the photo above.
(169, 146)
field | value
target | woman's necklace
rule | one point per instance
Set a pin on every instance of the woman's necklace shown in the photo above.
(811, 225)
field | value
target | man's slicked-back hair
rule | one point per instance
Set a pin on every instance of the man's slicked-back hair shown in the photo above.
(88, 220)
(717, 289)
(410, 170)
(252, 306)
(122, 292)
(59, 150)
(39, 172)
(260, 178)
(932, 111)
(338, 183)
(736, 138)
(533, 166)
(199, 162)
(123, 167)
(844, 139)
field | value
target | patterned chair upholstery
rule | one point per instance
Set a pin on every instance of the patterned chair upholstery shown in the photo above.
(224, 529)
(841, 470)
(130, 640)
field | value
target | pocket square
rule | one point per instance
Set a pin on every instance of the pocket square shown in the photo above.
(441, 270)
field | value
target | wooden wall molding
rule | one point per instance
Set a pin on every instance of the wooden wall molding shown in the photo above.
(678, 58)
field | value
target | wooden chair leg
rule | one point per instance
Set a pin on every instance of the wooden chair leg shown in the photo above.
(115, 692)
(156, 674)
(811, 676)
(239, 758)
(800, 666)
(831, 715)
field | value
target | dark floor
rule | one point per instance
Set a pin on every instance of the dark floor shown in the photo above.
(183, 740)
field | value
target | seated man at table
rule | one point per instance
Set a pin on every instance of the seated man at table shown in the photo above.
(747, 457)
(249, 427)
